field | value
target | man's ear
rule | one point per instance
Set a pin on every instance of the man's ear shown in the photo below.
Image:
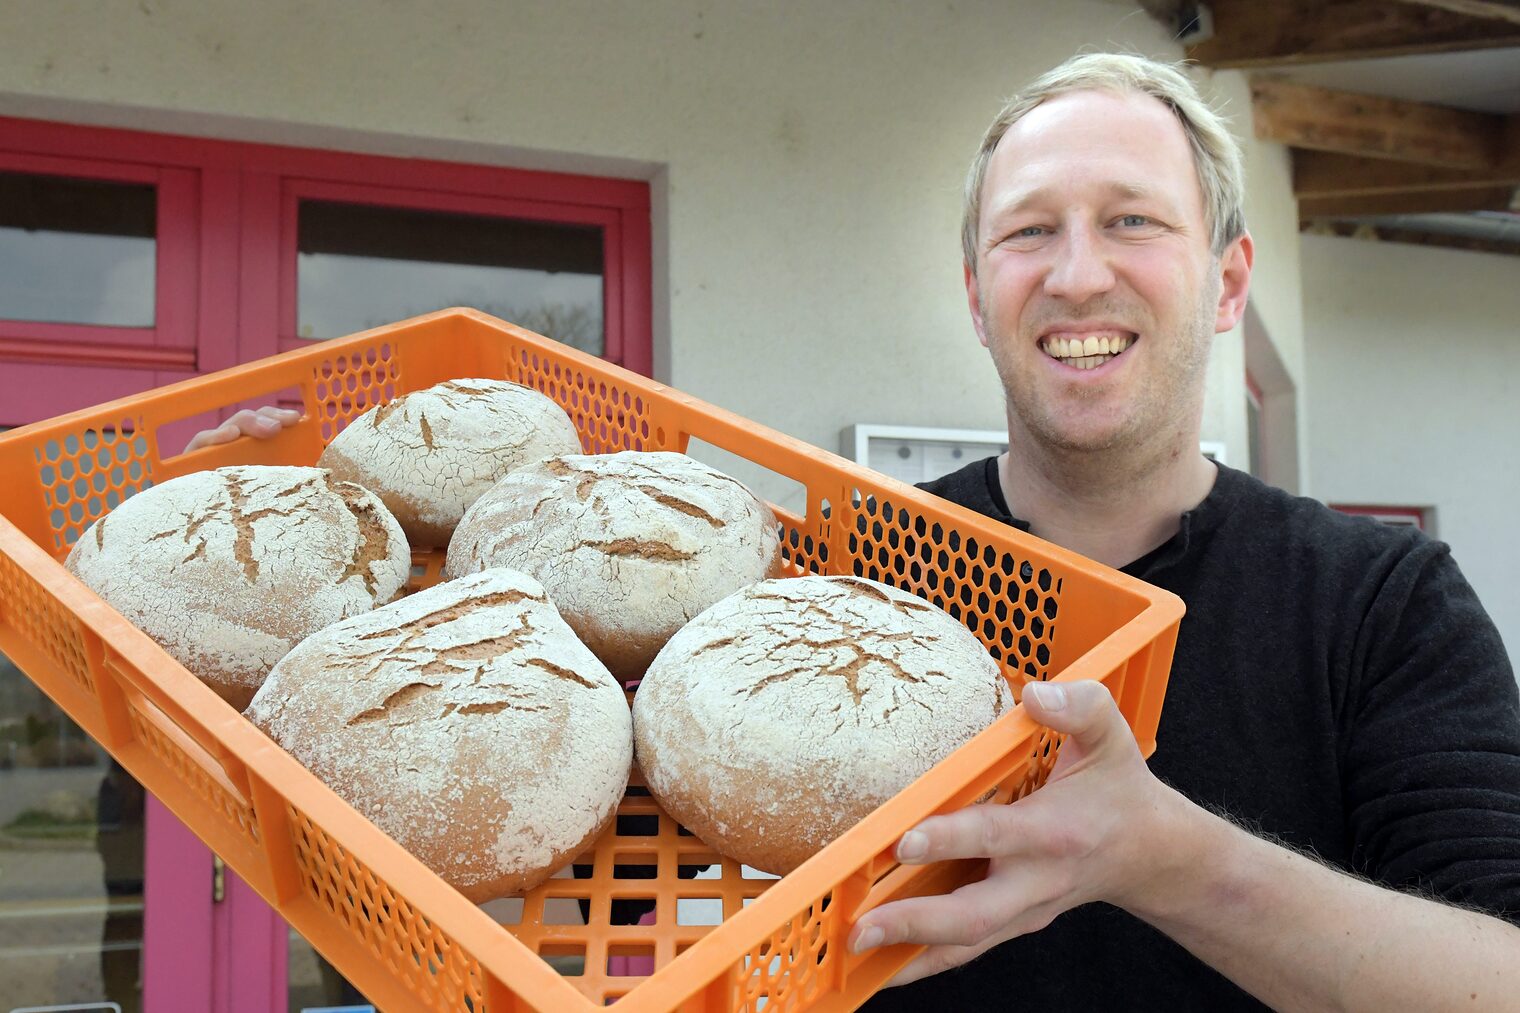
(1235, 282)
(972, 297)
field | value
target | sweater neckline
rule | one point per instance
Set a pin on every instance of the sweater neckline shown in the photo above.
(1202, 520)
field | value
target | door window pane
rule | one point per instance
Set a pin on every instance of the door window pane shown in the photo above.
(360, 266)
(77, 251)
(71, 859)
(313, 983)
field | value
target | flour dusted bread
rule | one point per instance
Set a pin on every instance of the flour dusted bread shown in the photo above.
(630, 546)
(785, 713)
(467, 722)
(429, 454)
(230, 569)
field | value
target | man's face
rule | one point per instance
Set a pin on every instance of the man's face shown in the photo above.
(1095, 289)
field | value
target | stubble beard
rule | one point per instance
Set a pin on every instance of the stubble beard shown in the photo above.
(1162, 411)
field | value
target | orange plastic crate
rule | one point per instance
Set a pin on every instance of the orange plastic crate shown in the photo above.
(397, 931)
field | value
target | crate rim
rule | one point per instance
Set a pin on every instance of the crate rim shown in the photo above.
(512, 962)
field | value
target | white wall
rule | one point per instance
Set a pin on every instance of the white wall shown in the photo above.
(1413, 358)
(806, 158)
(1276, 323)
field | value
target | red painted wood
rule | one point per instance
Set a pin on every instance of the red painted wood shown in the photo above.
(54, 367)
(619, 206)
(176, 278)
(225, 293)
(1418, 515)
(67, 140)
(249, 971)
(177, 916)
(637, 283)
(614, 325)
(86, 164)
(265, 255)
(1253, 389)
(32, 392)
(620, 338)
(287, 281)
(37, 332)
(219, 213)
(491, 203)
(95, 354)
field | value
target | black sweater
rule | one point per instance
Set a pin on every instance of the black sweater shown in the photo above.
(1337, 686)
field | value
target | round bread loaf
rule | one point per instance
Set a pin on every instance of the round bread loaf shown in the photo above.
(467, 722)
(630, 546)
(230, 569)
(431, 453)
(781, 716)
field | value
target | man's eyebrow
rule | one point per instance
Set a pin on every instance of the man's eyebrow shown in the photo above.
(1020, 200)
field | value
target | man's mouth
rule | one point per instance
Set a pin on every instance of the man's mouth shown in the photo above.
(1086, 351)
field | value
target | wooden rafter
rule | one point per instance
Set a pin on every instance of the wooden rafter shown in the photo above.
(1319, 174)
(1417, 202)
(1268, 33)
(1304, 116)
(1398, 235)
(1498, 10)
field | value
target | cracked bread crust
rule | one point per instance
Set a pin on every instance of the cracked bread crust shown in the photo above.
(431, 453)
(781, 716)
(630, 545)
(467, 722)
(229, 569)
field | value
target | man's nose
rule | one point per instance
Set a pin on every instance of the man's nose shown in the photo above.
(1081, 268)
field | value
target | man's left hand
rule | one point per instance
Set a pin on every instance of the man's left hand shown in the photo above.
(1084, 836)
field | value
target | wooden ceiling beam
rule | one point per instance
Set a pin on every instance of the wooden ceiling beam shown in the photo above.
(1256, 33)
(1498, 10)
(1305, 116)
(1397, 235)
(1321, 174)
(1416, 202)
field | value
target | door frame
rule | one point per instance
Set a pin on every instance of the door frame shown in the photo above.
(225, 293)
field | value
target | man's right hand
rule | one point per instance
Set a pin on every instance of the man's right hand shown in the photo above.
(261, 424)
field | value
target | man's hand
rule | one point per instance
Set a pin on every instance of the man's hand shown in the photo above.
(262, 424)
(1082, 837)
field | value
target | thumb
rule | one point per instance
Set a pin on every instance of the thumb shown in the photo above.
(1085, 712)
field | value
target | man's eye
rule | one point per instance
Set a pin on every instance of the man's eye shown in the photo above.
(1028, 232)
(1134, 221)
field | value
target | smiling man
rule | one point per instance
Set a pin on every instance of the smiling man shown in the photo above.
(1337, 687)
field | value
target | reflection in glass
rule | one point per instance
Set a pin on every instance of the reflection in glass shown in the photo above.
(360, 266)
(77, 251)
(71, 859)
(313, 982)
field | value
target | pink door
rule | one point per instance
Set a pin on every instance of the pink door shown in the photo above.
(98, 883)
(129, 261)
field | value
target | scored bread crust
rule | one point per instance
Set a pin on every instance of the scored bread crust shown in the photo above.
(780, 717)
(467, 722)
(630, 545)
(431, 453)
(229, 569)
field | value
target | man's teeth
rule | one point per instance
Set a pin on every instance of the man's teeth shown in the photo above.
(1088, 352)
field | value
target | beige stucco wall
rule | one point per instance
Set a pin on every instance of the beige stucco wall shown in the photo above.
(805, 158)
(1413, 354)
(1277, 362)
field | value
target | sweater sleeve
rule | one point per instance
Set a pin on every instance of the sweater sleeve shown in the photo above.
(1432, 741)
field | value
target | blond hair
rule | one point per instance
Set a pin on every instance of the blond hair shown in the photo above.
(1216, 156)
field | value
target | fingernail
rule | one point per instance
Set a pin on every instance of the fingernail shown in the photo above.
(1049, 696)
(869, 939)
(266, 425)
(913, 846)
